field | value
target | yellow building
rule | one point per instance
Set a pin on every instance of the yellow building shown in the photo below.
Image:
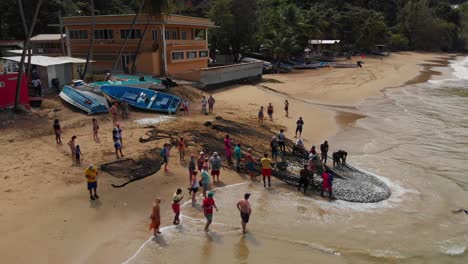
(171, 45)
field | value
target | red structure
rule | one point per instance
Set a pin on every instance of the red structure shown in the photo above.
(8, 90)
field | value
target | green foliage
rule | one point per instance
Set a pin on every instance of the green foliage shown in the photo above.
(398, 42)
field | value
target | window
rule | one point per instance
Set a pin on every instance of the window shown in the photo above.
(171, 34)
(203, 54)
(191, 54)
(155, 34)
(183, 35)
(136, 33)
(177, 55)
(103, 34)
(78, 34)
(200, 34)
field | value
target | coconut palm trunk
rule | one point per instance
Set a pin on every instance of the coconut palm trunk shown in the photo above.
(28, 33)
(91, 42)
(133, 69)
(119, 55)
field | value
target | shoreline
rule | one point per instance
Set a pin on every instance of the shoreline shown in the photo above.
(120, 221)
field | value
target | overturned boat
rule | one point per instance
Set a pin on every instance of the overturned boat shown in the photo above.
(86, 101)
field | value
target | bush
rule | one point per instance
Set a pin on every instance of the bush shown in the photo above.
(398, 42)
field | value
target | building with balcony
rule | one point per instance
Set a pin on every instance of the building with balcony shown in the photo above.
(49, 44)
(169, 45)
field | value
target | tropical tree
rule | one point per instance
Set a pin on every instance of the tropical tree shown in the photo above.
(281, 46)
(91, 41)
(28, 33)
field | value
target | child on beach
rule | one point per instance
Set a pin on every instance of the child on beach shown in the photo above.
(78, 155)
(270, 111)
(57, 131)
(95, 129)
(181, 147)
(155, 217)
(72, 146)
(118, 148)
(114, 111)
(204, 103)
(194, 187)
(238, 156)
(176, 198)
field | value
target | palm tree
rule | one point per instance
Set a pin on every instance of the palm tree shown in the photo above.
(28, 33)
(91, 41)
(149, 7)
(281, 46)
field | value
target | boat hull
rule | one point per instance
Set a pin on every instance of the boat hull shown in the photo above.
(86, 101)
(144, 99)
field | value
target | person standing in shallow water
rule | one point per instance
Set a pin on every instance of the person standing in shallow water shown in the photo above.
(208, 205)
(238, 156)
(215, 166)
(245, 211)
(156, 217)
(176, 198)
(304, 179)
(327, 183)
(266, 169)
(57, 131)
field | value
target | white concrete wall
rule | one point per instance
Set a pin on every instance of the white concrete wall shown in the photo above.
(230, 73)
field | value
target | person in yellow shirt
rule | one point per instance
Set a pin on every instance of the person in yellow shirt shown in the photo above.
(91, 175)
(266, 169)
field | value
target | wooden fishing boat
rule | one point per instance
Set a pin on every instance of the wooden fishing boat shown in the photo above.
(86, 101)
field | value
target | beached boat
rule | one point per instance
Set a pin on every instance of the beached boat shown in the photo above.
(144, 99)
(86, 101)
(348, 65)
(313, 65)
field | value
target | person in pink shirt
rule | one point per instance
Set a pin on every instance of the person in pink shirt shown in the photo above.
(327, 183)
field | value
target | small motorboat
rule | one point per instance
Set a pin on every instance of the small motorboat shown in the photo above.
(143, 99)
(86, 101)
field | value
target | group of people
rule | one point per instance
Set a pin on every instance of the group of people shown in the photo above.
(270, 111)
(207, 105)
(208, 206)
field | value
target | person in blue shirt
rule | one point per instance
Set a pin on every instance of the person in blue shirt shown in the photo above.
(238, 155)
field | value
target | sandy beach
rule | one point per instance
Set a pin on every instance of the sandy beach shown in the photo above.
(46, 214)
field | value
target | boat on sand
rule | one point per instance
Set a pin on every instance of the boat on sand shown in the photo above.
(143, 99)
(86, 101)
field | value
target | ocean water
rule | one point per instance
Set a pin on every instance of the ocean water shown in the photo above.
(415, 139)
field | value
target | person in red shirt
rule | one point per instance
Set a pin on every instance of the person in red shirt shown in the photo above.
(208, 205)
(327, 183)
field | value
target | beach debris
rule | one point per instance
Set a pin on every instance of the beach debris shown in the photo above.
(153, 120)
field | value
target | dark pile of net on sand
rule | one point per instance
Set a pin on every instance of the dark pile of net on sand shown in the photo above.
(132, 170)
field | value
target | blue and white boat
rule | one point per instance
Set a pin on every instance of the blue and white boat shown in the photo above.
(86, 101)
(143, 99)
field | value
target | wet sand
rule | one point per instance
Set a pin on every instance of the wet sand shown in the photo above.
(45, 206)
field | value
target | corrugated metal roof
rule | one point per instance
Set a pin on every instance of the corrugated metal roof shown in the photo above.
(46, 60)
(47, 37)
(324, 41)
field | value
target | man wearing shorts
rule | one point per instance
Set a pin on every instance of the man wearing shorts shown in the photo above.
(215, 165)
(299, 124)
(91, 176)
(208, 205)
(266, 169)
(282, 141)
(245, 211)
